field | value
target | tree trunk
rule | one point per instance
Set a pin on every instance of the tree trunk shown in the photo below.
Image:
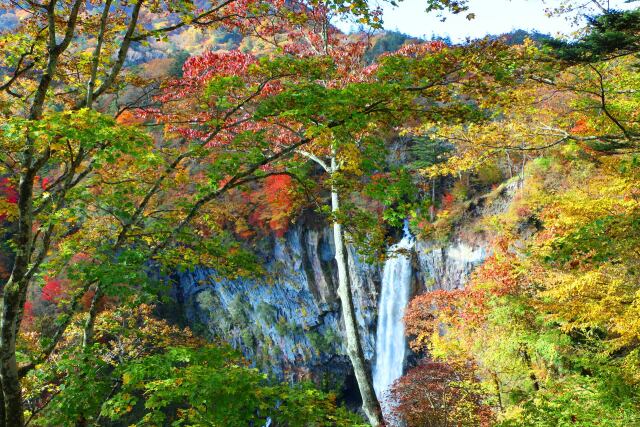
(87, 333)
(523, 163)
(13, 301)
(2, 423)
(370, 403)
(8, 365)
(14, 297)
(510, 164)
(95, 60)
(496, 382)
(432, 208)
(532, 375)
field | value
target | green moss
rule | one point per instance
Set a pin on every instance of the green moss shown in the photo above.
(239, 310)
(248, 338)
(267, 313)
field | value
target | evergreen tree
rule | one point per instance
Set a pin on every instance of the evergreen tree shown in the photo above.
(610, 35)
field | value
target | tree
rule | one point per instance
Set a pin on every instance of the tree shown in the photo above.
(144, 371)
(389, 94)
(547, 318)
(612, 34)
(429, 152)
(55, 78)
(435, 394)
(281, 106)
(552, 100)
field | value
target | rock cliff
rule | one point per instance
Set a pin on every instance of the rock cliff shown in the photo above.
(289, 322)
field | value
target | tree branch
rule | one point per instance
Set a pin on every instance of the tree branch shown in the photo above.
(316, 159)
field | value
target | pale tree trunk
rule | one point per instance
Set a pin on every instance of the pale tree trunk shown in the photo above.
(522, 165)
(370, 403)
(510, 164)
(432, 208)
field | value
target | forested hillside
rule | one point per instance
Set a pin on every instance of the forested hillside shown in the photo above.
(235, 214)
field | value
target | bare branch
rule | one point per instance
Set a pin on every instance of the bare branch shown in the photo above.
(196, 20)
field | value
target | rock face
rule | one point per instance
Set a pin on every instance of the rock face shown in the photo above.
(447, 267)
(289, 322)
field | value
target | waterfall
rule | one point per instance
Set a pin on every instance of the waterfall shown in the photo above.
(390, 340)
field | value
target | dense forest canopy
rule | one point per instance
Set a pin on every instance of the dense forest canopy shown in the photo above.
(140, 140)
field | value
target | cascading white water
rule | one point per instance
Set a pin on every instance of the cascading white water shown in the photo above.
(390, 340)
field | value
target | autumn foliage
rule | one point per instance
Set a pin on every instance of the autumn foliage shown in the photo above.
(117, 175)
(273, 204)
(8, 191)
(543, 316)
(8, 198)
(437, 394)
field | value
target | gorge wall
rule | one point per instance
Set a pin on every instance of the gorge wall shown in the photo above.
(289, 321)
